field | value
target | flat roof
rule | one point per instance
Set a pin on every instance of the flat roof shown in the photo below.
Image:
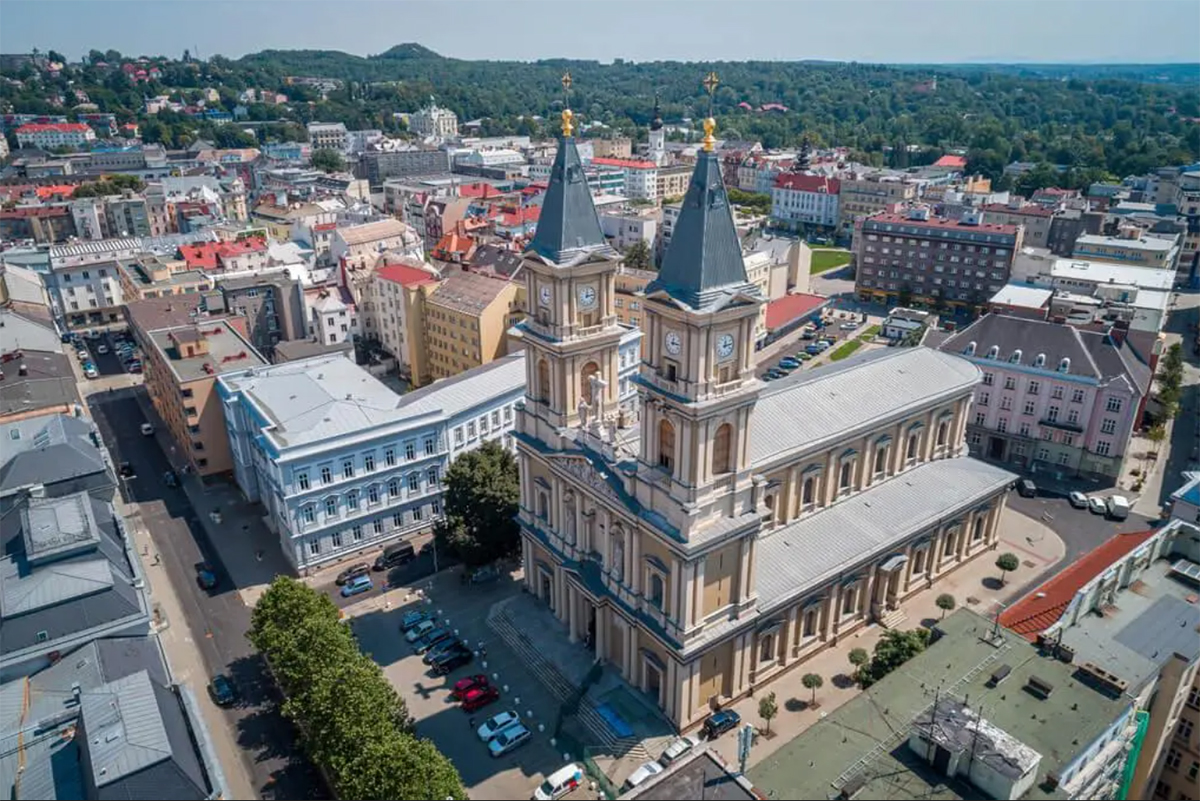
(1106, 272)
(865, 740)
(1142, 243)
(227, 350)
(1029, 297)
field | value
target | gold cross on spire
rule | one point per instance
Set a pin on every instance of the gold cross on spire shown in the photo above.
(710, 85)
(566, 112)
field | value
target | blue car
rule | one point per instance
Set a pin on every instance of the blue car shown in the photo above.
(788, 363)
(356, 585)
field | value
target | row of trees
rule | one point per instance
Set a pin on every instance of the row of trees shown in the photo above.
(352, 722)
(1170, 380)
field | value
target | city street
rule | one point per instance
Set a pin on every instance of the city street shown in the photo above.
(216, 620)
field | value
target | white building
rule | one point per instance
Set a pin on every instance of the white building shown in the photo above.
(333, 316)
(799, 199)
(359, 141)
(328, 136)
(361, 245)
(624, 229)
(345, 465)
(490, 157)
(441, 123)
(47, 136)
(901, 322)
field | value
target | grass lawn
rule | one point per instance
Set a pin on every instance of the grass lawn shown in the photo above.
(825, 259)
(870, 332)
(844, 350)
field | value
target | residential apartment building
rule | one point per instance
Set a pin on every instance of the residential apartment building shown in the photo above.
(328, 136)
(153, 276)
(182, 363)
(280, 218)
(333, 315)
(1006, 722)
(359, 246)
(1034, 217)
(623, 229)
(342, 463)
(466, 321)
(37, 375)
(1054, 399)
(673, 181)
(1131, 246)
(441, 123)
(628, 285)
(272, 305)
(960, 263)
(377, 166)
(129, 215)
(862, 195)
(1068, 225)
(641, 177)
(43, 224)
(47, 136)
(1141, 583)
(397, 317)
(706, 566)
(799, 200)
(618, 147)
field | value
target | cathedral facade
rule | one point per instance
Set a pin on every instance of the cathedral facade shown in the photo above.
(726, 530)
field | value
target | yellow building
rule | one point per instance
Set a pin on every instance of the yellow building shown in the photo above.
(673, 181)
(466, 318)
(735, 529)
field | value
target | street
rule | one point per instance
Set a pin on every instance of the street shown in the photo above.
(216, 620)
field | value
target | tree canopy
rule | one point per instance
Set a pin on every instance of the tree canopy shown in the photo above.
(352, 722)
(894, 648)
(481, 498)
(328, 160)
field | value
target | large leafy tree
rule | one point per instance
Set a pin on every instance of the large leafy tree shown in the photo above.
(482, 493)
(328, 161)
(352, 722)
(638, 256)
(894, 648)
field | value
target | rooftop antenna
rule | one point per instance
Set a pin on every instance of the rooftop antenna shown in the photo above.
(711, 81)
(566, 112)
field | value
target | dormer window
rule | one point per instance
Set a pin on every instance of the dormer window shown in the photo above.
(1039, 360)
(1016, 357)
(993, 352)
(970, 351)
(1064, 366)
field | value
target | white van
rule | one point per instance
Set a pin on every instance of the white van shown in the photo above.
(559, 783)
(1118, 507)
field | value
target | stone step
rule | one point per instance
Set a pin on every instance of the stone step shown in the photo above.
(893, 619)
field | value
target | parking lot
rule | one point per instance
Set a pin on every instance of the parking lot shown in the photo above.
(837, 331)
(464, 609)
(106, 363)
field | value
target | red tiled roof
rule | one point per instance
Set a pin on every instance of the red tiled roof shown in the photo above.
(800, 182)
(900, 219)
(325, 226)
(782, 311)
(958, 162)
(1038, 610)
(201, 255)
(631, 164)
(249, 245)
(479, 190)
(61, 127)
(405, 275)
(526, 215)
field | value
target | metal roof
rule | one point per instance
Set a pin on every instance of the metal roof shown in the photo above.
(56, 526)
(47, 450)
(809, 551)
(813, 409)
(568, 227)
(704, 258)
(124, 728)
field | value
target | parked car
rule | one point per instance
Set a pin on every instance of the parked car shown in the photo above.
(808, 333)
(1026, 488)
(357, 585)
(789, 363)
(206, 577)
(90, 371)
(559, 783)
(484, 574)
(678, 748)
(509, 740)
(804, 355)
(461, 686)
(438, 648)
(1118, 507)
(496, 724)
(134, 367)
(641, 775)
(769, 377)
(1097, 505)
(419, 629)
(352, 572)
(125, 470)
(848, 326)
(413, 618)
(431, 640)
(718, 723)
(814, 350)
(394, 555)
(82, 355)
(222, 691)
(170, 479)
(147, 429)
(1078, 500)
(450, 659)
(480, 697)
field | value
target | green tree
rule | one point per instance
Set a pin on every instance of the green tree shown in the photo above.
(1007, 562)
(638, 257)
(859, 658)
(54, 55)
(768, 709)
(231, 136)
(946, 603)
(812, 681)
(482, 492)
(353, 723)
(1157, 434)
(328, 161)
(894, 648)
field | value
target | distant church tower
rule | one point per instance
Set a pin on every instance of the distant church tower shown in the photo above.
(658, 144)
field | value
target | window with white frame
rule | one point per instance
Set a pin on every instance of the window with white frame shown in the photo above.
(398, 520)
(458, 435)
(331, 507)
(373, 494)
(326, 475)
(314, 547)
(1104, 447)
(849, 596)
(1108, 426)
(347, 469)
(431, 476)
(389, 457)
(377, 526)
(414, 482)
(302, 481)
(430, 446)
(1113, 405)
(1077, 396)
(393, 488)
(308, 514)
(357, 533)
(410, 451)
(369, 461)
(336, 539)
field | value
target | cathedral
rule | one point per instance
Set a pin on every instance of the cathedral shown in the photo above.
(725, 530)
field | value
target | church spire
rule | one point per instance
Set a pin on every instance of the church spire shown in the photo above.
(704, 262)
(656, 122)
(568, 226)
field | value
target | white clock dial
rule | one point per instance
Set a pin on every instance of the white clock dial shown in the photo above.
(673, 343)
(587, 297)
(724, 346)
(544, 296)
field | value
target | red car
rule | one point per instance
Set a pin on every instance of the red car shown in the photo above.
(479, 697)
(464, 686)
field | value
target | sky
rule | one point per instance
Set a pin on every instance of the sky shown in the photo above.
(879, 31)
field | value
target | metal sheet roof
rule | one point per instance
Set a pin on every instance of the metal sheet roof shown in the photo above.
(808, 551)
(568, 226)
(825, 405)
(124, 728)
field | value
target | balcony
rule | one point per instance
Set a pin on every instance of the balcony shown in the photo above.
(726, 388)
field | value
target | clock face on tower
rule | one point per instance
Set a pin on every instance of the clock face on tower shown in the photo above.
(587, 296)
(673, 343)
(724, 346)
(544, 296)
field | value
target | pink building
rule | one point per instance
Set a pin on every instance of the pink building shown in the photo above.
(1055, 400)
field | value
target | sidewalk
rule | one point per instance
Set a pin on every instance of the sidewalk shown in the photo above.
(974, 584)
